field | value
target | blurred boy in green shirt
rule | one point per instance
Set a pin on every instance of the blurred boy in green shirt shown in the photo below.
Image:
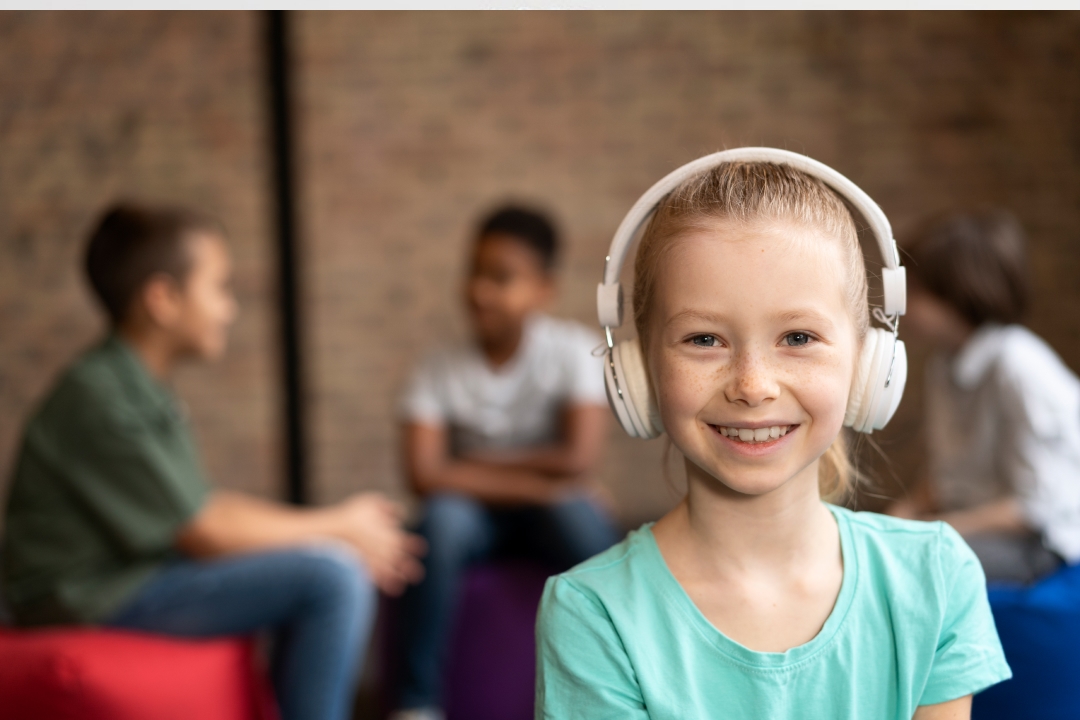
(110, 520)
(106, 479)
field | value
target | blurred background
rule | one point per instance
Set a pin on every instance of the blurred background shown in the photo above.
(407, 126)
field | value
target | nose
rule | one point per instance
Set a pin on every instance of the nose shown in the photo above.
(752, 381)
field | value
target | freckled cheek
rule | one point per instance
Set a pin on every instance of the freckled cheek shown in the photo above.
(682, 388)
(822, 389)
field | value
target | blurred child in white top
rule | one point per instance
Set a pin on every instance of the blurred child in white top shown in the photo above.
(502, 435)
(1002, 409)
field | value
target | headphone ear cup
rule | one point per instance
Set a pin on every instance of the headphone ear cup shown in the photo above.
(879, 382)
(621, 388)
(860, 383)
(637, 398)
(618, 398)
(887, 399)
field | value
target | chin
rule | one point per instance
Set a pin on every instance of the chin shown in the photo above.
(754, 486)
(489, 329)
(747, 482)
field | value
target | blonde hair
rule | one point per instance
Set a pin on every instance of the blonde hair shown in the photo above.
(748, 192)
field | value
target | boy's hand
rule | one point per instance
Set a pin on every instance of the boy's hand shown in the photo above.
(372, 524)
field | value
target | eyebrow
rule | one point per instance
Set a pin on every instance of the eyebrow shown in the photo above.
(805, 314)
(695, 315)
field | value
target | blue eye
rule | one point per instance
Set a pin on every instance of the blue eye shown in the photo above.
(797, 339)
(704, 340)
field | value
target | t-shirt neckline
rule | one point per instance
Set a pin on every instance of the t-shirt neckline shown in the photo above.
(513, 366)
(786, 660)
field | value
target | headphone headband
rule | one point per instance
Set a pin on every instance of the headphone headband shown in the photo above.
(609, 293)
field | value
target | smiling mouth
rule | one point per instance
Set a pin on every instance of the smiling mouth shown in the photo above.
(753, 436)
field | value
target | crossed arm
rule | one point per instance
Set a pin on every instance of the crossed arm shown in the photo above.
(535, 476)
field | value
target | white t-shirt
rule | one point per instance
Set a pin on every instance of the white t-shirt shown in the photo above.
(514, 406)
(1003, 418)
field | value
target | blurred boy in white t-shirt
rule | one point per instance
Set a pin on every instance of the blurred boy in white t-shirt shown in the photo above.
(501, 437)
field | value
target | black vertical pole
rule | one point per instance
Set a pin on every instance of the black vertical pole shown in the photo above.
(277, 29)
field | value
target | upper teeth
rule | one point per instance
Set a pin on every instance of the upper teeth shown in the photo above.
(755, 435)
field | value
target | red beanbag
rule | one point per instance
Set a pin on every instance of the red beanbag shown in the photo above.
(93, 674)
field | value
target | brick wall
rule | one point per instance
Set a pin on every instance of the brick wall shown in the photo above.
(162, 106)
(413, 124)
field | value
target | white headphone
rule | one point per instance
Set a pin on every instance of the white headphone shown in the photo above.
(882, 369)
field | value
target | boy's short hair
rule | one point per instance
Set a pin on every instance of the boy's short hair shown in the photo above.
(976, 262)
(531, 227)
(133, 242)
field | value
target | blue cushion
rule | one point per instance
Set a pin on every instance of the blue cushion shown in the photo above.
(1039, 627)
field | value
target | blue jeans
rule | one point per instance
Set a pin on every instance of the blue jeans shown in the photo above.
(316, 599)
(460, 532)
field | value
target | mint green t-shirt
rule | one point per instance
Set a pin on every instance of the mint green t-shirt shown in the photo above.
(618, 637)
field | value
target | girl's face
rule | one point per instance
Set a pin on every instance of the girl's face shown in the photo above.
(752, 351)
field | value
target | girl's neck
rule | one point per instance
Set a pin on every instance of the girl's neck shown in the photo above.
(766, 570)
(725, 532)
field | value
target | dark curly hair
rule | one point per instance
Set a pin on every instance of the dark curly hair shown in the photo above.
(529, 226)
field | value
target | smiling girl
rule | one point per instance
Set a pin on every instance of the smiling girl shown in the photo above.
(753, 598)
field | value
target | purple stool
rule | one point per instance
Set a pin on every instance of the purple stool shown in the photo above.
(492, 668)
(490, 674)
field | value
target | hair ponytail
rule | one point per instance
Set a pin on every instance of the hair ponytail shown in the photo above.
(837, 475)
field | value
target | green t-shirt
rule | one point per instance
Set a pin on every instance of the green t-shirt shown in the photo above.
(618, 637)
(106, 476)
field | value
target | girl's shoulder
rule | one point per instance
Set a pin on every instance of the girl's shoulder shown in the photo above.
(894, 552)
(922, 581)
(865, 522)
(893, 535)
(620, 575)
